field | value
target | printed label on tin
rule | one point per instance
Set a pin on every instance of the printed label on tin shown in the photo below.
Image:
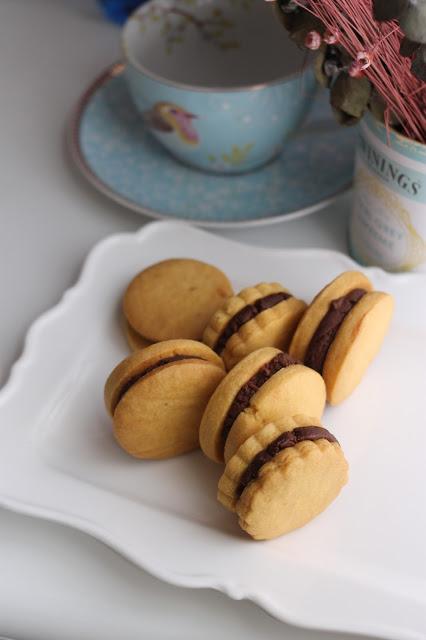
(388, 224)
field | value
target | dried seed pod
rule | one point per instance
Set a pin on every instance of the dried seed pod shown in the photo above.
(313, 40)
(329, 63)
(299, 24)
(332, 36)
(364, 59)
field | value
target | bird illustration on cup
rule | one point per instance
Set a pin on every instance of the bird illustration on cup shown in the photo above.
(170, 118)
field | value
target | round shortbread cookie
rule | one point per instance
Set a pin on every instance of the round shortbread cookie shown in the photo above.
(319, 306)
(211, 441)
(289, 392)
(157, 397)
(283, 476)
(263, 386)
(265, 315)
(175, 299)
(356, 344)
(134, 339)
(342, 331)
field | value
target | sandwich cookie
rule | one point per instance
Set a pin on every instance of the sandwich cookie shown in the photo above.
(283, 476)
(263, 387)
(342, 331)
(157, 396)
(134, 339)
(174, 299)
(265, 315)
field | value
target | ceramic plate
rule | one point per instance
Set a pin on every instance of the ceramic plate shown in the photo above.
(116, 153)
(359, 567)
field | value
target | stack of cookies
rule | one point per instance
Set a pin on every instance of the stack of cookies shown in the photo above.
(246, 377)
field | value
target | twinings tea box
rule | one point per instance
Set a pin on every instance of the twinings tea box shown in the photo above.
(388, 222)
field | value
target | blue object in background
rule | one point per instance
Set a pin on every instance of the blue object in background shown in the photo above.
(119, 10)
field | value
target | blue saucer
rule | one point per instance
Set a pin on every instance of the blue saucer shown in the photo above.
(116, 153)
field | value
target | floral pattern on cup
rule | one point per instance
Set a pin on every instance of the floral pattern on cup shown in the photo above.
(215, 27)
(235, 157)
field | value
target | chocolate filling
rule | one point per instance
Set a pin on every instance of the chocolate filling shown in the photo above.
(328, 328)
(247, 391)
(284, 441)
(248, 313)
(138, 376)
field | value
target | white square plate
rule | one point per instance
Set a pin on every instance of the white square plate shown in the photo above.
(360, 566)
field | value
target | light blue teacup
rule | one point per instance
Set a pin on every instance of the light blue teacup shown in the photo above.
(217, 81)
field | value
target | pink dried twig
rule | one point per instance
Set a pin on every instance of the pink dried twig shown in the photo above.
(389, 72)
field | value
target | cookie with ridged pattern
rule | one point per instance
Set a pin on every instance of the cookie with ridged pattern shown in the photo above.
(265, 315)
(264, 386)
(283, 476)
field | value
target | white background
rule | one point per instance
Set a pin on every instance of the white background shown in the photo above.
(55, 582)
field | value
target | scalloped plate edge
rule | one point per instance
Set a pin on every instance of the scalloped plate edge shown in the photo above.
(233, 590)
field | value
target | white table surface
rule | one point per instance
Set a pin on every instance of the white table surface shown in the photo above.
(56, 582)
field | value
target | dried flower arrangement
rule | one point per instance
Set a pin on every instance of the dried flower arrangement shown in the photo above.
(371, 54)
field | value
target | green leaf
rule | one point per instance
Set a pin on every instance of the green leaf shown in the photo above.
(408, 47)
(384, 10)
(378, 107)
(298, 24)
(344, 118)
(418, 66)
(286, 19)
(319, 67)
(349, 97)
(413, 21)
